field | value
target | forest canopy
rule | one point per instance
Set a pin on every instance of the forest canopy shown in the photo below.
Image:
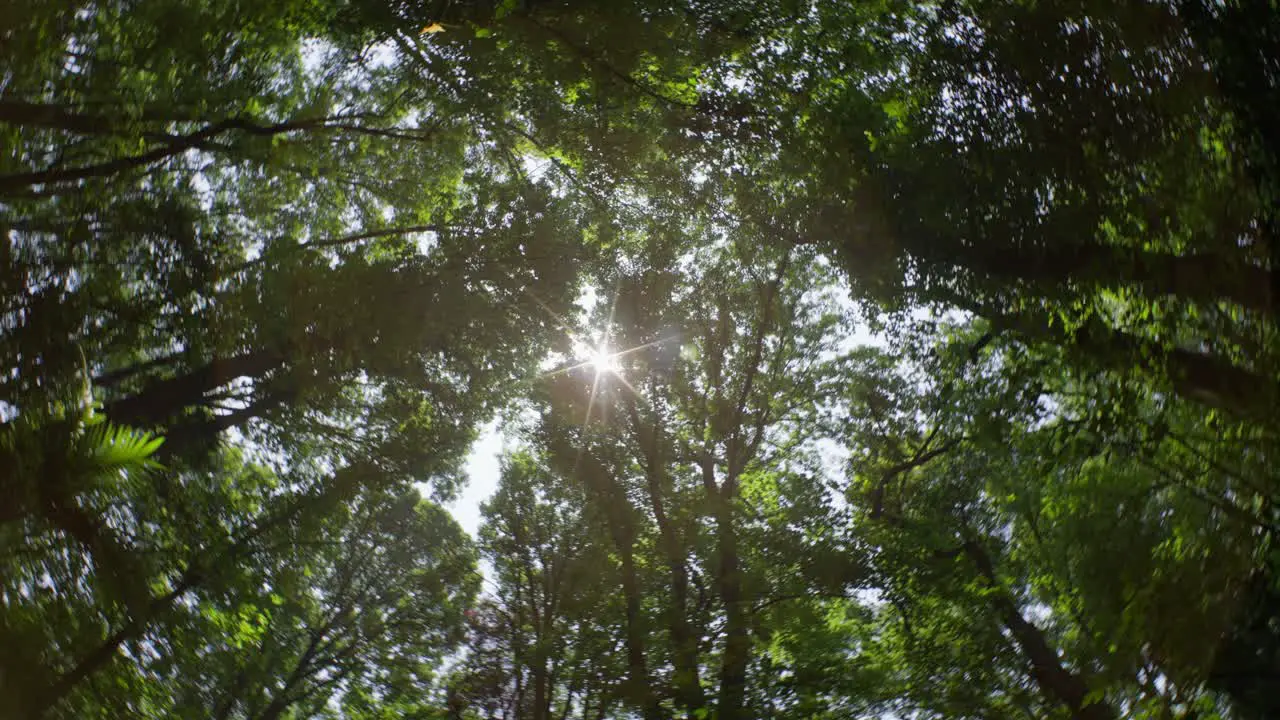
(859, 359)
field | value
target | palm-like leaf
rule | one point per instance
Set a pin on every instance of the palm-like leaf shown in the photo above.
(112, 448)
(68, 449)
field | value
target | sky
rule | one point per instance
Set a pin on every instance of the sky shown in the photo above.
(483, 466)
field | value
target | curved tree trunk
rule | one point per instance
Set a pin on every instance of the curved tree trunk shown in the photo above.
(1055, 681)
(163, 400)
(1196, 376)
(1200, 278)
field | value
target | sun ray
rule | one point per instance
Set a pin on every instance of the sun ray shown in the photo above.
(591, 400)
(605, 359)
(638, 348)
(602, 358)
(563, 370)
(597, 355)
(629, 386)
(613, 310)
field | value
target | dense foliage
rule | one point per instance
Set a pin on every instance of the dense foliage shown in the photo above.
(857, 359)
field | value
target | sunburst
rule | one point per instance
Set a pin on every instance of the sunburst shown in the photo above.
(606, 365)
(601, 358)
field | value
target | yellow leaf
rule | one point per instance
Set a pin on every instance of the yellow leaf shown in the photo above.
(432, 28)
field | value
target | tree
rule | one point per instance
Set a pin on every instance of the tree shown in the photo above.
(360, 613)
(942, 154)
(545, 646)
(693, 453)
(1079, 538)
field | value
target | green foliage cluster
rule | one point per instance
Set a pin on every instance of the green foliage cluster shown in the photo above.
(857, 360)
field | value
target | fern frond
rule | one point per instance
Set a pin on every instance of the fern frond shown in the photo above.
(112, 448)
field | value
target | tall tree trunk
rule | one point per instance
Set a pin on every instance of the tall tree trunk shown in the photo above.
(639, 686)
(541, 700)
(688, 683)
(1055, 681)
(737, 643)
(1196, 376)
(1200, 278)
(639, 689)
(162, 400)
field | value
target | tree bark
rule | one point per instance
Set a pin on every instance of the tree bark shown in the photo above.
(688, 684)
(1055, 681)
(1201, 278)
(737, 644)
(162, 400)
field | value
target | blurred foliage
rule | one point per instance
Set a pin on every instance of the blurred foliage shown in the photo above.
(942, 376)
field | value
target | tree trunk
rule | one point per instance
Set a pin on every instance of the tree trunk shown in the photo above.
(203, 432)
(1200, 278)
(639, 687)
(1195, 376)
(162, 400)
(1055, 681)
(622, 531)
(107, 650)
(737, 643)
(58, 117)
(115, 377)
(283, 699)
(20, 183)
(541, 701)
(1234, 38)
(688, 684)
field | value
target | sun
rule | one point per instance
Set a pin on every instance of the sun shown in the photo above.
(603, 359)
